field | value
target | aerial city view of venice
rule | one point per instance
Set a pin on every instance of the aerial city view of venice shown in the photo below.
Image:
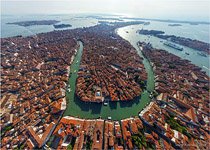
(103, 74)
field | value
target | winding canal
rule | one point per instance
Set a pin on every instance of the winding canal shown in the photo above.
(116, 110)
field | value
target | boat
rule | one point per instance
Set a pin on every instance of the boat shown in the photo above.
(147, 23)
(187, 53)
(75, 71)
(127, 32)
(150, 96)
(173, 46)
(202, 54)
(105, 103)
(109, 118)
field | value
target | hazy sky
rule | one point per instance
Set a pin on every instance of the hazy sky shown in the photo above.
(167, 9)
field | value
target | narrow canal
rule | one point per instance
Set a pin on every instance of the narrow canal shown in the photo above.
(116, 110)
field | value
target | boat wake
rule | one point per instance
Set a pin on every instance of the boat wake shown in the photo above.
(206, 67)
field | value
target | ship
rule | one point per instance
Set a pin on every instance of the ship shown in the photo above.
(105, 103)
(202, 54)
(147, 23)
(69, 89)
(173, 46)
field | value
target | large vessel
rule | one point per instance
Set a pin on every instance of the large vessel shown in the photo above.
(173, 46)
(202, 54)
(147, 23)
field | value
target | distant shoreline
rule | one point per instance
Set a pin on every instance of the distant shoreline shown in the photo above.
(174, 25)
(119, 17)
(35, 22)
(171, 21)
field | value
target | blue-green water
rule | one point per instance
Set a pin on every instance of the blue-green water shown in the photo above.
(117, 110)
(200, 32)
(8, 30)
(130, 34)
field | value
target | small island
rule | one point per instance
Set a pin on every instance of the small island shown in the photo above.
(150, 32)
(194, 23)
(57, 26)
(174, 25)
(192, 43)
(37, 22)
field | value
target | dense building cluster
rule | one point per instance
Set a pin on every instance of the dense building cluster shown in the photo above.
(34, 73)
(77, 133)
(130, 133)
(183, 99)
(192, 43)
(110, 68)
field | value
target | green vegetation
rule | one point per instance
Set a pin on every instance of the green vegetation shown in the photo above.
(121, 141)
(69, 147)
(49, 142)
(150, 145)
(142, 84)
(21, 147)
(5, 129)
(172, 66)
(139, 140)
(155, 94)
(89, 144)
(158, 65)
(176, 126)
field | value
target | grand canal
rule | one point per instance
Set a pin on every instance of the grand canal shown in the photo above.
(115, 110)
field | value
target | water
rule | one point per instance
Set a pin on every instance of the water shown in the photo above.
(8, 30)
(116, 110)
(199, 32)
(129, 33)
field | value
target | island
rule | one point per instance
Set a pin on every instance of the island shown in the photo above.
(194, 23)
(192, 43)
(104, 18)
(150, 32)
(32, 23)
(57, 26)
(110, 68)
(35, 74)
(174, 25)
(169, 20)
